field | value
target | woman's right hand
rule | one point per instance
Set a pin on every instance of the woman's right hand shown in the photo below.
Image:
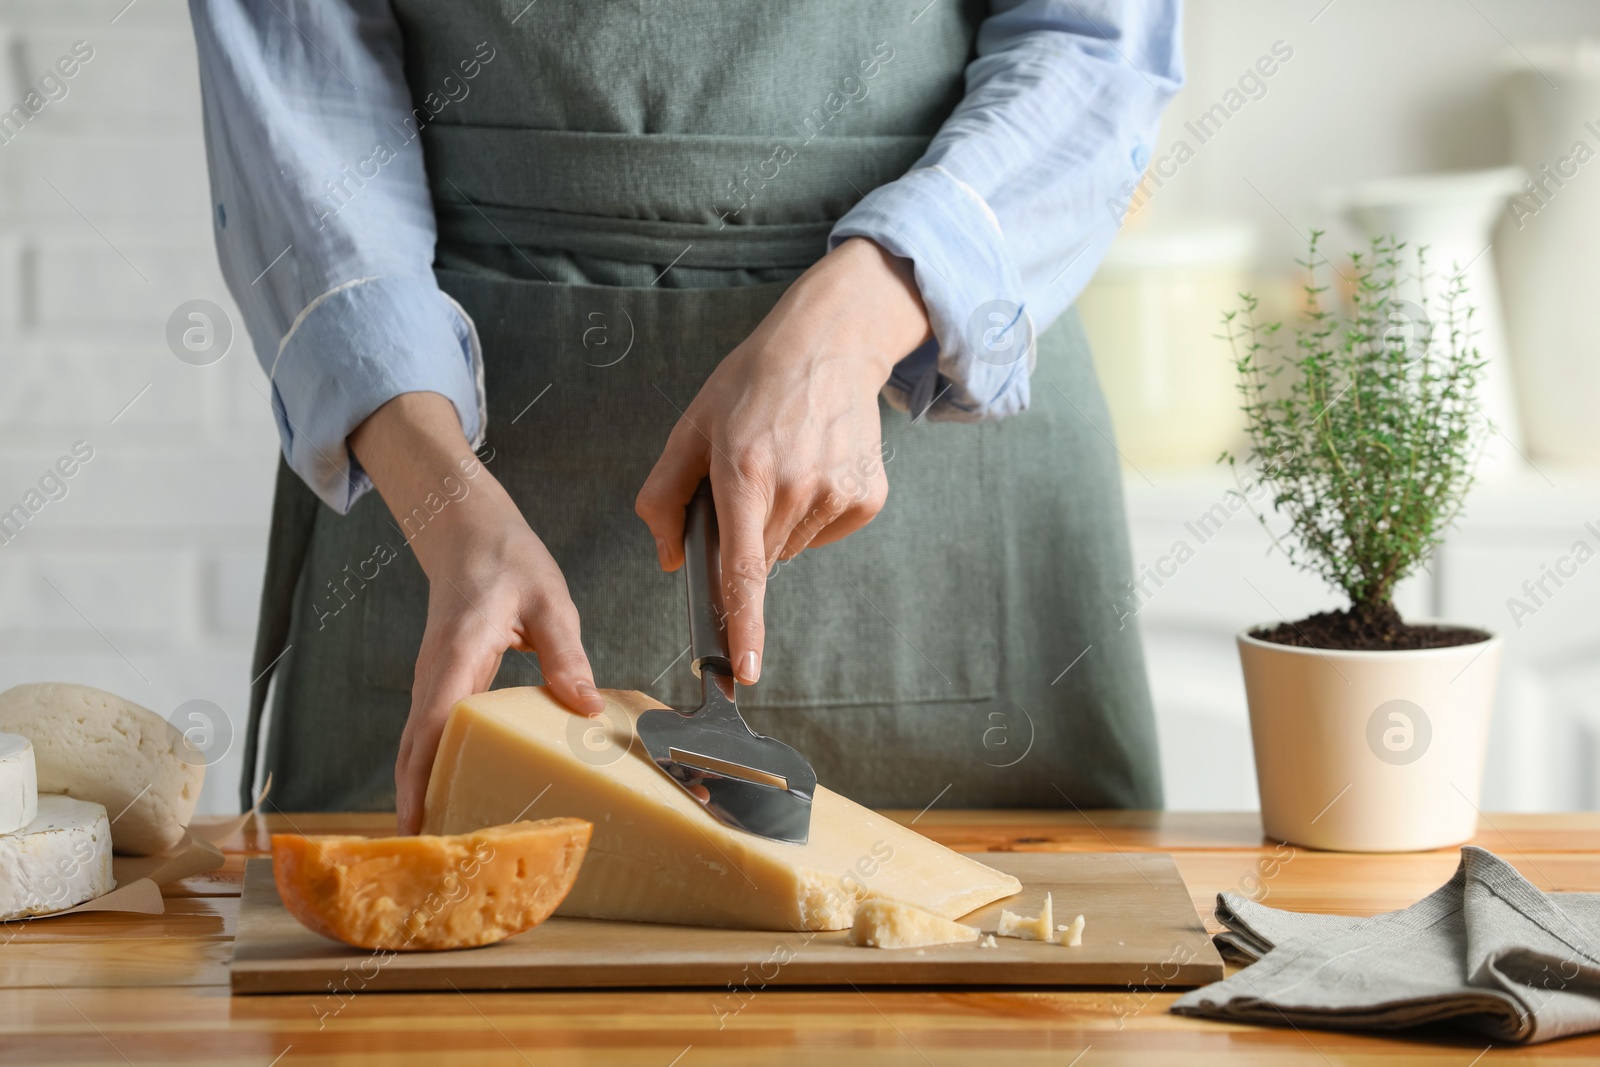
(492, 584)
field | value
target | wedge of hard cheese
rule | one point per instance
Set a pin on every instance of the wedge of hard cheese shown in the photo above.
(657, 855)
(409, 893)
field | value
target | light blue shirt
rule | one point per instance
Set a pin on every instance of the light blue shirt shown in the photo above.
(1004, 218)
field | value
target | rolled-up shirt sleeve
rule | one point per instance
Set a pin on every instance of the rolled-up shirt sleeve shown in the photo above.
(324, 224)
(1008, 213)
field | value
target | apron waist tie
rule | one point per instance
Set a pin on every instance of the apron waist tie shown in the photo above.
(697, 201)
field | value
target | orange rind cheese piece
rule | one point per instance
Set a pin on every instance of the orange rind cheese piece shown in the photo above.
(430, 892)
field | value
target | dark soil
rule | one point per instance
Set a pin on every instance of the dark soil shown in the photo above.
(1366, 630)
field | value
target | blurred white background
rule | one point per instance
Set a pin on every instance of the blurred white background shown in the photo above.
(1371, 91)
(143, 578)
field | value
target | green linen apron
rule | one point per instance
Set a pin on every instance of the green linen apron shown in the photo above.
(623, 191)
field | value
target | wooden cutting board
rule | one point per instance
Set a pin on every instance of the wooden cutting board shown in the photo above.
(1141, 932)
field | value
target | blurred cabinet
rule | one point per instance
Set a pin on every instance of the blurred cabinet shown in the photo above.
(1545, 749)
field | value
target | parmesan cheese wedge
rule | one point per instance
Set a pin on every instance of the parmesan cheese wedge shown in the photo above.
(891, 924)
(1072, 935)
(656, 854)
(1040, 927)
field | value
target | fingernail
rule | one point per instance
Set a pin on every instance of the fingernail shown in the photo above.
(749, 668)
(589, 694)
(661, 550)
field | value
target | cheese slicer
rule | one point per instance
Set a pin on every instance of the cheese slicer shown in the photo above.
(748, 781)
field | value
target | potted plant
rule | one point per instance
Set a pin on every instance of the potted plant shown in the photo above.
(1369, 730)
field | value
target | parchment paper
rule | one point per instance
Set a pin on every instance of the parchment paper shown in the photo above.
(140, 878)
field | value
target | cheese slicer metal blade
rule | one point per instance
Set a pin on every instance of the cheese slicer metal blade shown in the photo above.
(745, 780)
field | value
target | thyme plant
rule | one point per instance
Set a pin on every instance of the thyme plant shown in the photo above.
(1369, 442)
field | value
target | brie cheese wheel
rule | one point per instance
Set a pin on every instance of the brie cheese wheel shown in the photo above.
(95, 746)
(657, 855)
(891, 924)
(19, 783)
(60, 859)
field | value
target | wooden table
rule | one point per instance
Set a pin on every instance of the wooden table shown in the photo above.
(133, 989)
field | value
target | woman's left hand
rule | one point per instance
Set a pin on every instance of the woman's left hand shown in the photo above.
(787, 428)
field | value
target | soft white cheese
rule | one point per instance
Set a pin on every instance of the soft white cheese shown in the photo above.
(19, 783)
(61, 858)
(95, 746)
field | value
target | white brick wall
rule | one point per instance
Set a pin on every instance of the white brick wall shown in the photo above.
(144, 578)
(143, 596)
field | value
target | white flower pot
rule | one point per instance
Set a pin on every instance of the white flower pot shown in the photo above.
(1369, 751)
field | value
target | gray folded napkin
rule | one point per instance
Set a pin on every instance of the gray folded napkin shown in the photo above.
(1486, 950)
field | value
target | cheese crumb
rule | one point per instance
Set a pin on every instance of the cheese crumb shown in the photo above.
(893, 924)
(1072, 935)
(1038, 928)
(988, 942)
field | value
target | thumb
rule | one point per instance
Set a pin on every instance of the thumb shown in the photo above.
(453, 673)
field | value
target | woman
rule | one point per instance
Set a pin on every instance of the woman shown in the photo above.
(614, 248)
